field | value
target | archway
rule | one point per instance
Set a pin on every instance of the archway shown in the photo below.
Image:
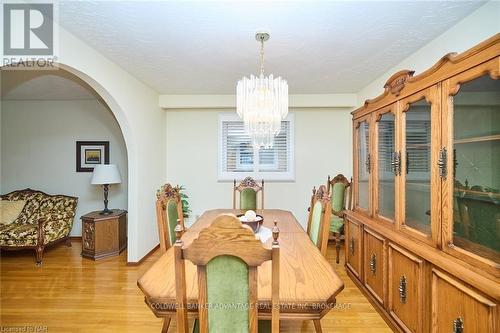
(110, 103)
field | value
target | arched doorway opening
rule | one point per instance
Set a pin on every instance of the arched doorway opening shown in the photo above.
(69, 95)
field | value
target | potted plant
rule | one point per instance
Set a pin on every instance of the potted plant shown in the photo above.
(185, 203)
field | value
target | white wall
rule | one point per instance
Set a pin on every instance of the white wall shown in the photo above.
(135, 106)
(322, 147)
(38, 140)
(475, 28)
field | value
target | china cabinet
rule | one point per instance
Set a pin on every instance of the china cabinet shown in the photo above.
(423, 237)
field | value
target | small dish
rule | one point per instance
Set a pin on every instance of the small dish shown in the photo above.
(255, 225)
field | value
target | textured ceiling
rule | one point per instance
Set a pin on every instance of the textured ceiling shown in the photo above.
(43, 85)
(205, 47)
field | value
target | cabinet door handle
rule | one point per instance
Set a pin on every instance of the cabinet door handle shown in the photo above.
(443, 163)
(458, 325)
(396, 163)
(402, 289)
(373, 263)
(351, 246)
(368, 163)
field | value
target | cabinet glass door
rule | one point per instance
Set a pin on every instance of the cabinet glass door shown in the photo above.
(474, 118)
(418, 171)
(386, 165)
(363, 165)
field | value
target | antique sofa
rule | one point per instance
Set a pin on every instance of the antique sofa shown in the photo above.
(44, 220)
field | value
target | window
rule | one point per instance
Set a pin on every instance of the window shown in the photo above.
(238, 158)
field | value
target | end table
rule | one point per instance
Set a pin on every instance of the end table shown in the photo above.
(104, 235)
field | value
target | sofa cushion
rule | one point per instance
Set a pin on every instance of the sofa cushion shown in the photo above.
(31, 210)
(17, 234)
(10, 210)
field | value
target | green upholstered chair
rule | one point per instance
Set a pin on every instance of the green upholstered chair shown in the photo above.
(318, 225)
(248, 190)
(227, 255)
(168, 215)
(339, 189)
(168, 211)
(319, 218)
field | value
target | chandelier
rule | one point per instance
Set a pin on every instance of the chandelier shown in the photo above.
(262, 102)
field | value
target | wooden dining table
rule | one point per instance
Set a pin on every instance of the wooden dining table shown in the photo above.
(308, 283)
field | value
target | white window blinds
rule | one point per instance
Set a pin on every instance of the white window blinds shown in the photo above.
(418, 140)
(238, 158)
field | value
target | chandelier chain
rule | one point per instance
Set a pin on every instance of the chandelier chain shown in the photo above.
(262, 55)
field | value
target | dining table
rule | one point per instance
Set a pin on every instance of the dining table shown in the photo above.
(308, 284)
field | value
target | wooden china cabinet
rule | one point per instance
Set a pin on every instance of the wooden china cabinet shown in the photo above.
(423, 238)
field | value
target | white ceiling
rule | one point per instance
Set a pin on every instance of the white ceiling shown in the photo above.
(205, 47)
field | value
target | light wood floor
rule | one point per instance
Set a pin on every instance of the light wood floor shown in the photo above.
(71, 294)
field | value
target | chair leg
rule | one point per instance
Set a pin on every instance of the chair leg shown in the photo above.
(166, 324)
(68, 242)
(317, 326)
(337, 246)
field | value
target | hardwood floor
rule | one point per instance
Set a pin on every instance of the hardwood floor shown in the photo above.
(71, 294)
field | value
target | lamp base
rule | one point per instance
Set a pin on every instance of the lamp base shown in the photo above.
(106, 211)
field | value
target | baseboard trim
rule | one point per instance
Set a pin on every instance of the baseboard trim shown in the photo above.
(137, 263)
(75, 238)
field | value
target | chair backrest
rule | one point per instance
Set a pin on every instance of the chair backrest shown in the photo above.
(227, 255)
(168, 211)
(248, 190)
(340, 191)
(318, 223)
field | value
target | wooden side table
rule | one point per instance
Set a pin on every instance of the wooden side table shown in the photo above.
(104, 235)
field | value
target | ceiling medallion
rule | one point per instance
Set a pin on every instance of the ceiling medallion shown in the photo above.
(262, 102)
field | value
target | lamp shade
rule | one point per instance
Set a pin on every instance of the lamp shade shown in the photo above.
(106, 174)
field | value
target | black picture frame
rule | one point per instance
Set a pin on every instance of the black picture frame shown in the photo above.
(95, 150)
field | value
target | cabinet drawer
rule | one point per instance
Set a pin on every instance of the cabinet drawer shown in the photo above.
(457, 308)
(353, 243)
(374, 264)
(405, 288)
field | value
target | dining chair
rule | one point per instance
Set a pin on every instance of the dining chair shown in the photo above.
(168, 210)
(248, 189)
(319, 218)
(227, 255)
(339, 189)
(318, 226)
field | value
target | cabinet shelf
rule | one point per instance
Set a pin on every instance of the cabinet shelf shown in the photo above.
(477, 139)
(460, 141)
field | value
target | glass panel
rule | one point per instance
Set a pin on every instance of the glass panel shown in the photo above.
(363, 165)
(386, 148)
(418, 162)
(476, 146)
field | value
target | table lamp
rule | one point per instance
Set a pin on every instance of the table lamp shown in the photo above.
(106, 174)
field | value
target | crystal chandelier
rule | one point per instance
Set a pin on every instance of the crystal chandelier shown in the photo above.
(262, 102)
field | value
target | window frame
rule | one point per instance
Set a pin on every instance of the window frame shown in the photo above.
(268, 176)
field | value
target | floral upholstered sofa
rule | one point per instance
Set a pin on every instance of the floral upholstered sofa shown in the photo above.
(44, 220)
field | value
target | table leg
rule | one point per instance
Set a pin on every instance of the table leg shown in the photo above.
(166, 324)
(317, 326)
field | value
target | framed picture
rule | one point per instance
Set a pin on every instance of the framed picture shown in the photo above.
(90, 153)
